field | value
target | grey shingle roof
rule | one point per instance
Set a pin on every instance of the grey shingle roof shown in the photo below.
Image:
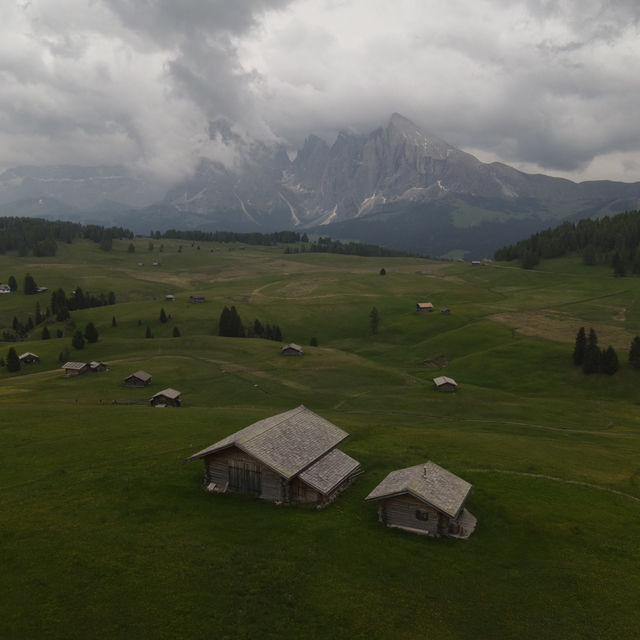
(292, 345)
(167, 393)
(328, 472)
(141, 375)
(74, 365)
(440, 380)
(428, 482)
(288, 442)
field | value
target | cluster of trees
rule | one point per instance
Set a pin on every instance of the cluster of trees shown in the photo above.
(610, 241)
(327, 245)
(61, 305)
(230, 325)
(253, 238)
(90, 335)
(590, 357)
(40, 237)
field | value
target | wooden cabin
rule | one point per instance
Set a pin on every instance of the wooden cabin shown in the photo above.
(446, 384)
(96, 366)
(138, 379)
(291, 349)
(425, 499)
(445, 310)
(289, 458)
(196, 299)
(29, 358)
(424, 307)
(166, 398)
(170, 297)
(5, 288)
(74, 368)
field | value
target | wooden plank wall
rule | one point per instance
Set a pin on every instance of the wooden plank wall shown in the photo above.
(400, 511)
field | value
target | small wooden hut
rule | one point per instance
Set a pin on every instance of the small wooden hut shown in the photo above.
(29, 358)
(138, 379)
(166, 398)
(288, 458)
(424, 307)
(96, 366)
(425, 499)
(72, 369)
(196, 299)
(446, 384)
(291, 349)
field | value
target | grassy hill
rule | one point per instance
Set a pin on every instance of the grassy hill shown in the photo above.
(103, 532)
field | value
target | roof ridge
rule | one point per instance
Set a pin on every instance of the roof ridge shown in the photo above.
(260, 431)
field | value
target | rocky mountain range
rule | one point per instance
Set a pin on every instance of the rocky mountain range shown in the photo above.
(397, 186)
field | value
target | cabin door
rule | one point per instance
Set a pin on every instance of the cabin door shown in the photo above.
(244, 477)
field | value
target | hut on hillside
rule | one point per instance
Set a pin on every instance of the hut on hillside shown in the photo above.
(288, 458)
(74, 368)
(446, 311)
(444, 383)
(166, 398)
(196, 299)
(96, 366)
(424, 307)
(425, 499)
(5, 288)
(138, 379)
(170, 297)
(29, 358)
(291, 349)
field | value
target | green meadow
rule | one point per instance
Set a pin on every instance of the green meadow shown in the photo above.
(104, 533)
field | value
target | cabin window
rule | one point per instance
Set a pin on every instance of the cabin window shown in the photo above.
(422, 515)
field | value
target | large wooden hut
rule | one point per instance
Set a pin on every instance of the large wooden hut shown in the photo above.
(166, 398)
(75, 368)
(138, 379)
(29, 358)
(288, 458)
(424, 307)
(425, 499)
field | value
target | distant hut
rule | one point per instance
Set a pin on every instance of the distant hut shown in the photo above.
(96, 366)
(29, 358)
(425, 499)
(138, 379)
(170, 297)
(288, 458)
(166, 398)
(475, 263)
(291, 349)
(74, 368)
(424, 307)
(42, 289)
(5, 288)
(444, 383)
(445, 310)
(196, 299)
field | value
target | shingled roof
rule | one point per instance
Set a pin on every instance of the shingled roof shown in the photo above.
(326, 474)
(440, 380)
(170, 393)
(288, 443)
(428, 482)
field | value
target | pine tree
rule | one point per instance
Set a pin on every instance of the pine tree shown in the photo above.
(176, 332)
(13, 284)
(592, 356)
(131, 248)
(383, 272)
(30, 287)
(163, 315)
(224, 324)
(77, 342)
(91, 333)
(619, 267)
(277, 334)
(113, 321)
(236, 326)
(581, 344)
(45, 333)
(148, 333)
(609, 361)
(634, 353)
(374, 320)
(313, 342)
(39, 316)
(258, 329)
(13, 362)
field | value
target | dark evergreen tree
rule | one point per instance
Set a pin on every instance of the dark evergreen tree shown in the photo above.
(236, 326)
(591, 360)
(163, 315)
(530, 259)
(148, 333)
(176, 332)
(59, 333)
(609, 361)
(374, 320)
(111, 298)
(13, 285)
(64, 355)
(258, 329)
(106, 242)
(45, 333)
(589, 256)
(383, 272)
(91, 333)
(578, 350)
(224, 324)
(77, 342)
(39, 316)
(313, 342)
(30, 287)
(131, 248)
(30, 325)
(13, 362)
(113, 321)
(619, 267)
(277, 334)
(634, 353)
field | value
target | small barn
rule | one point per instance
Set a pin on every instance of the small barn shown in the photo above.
(291, 349)
(196, 299)
(166, 398)
(138, 379)
(425, 499)
(170, 297)
(288, 458)
(96, 366)
(29, 358)
(424, 307)
(446, 384)
(74, 368)
(5, 288)
(445, 311)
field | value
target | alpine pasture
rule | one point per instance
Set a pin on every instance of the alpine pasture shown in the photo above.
(104, 533)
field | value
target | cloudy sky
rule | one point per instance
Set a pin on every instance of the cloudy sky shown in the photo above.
(544, 85)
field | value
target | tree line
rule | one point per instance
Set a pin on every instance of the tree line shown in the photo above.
(230, 325)
(612, 241)
(253, 238)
